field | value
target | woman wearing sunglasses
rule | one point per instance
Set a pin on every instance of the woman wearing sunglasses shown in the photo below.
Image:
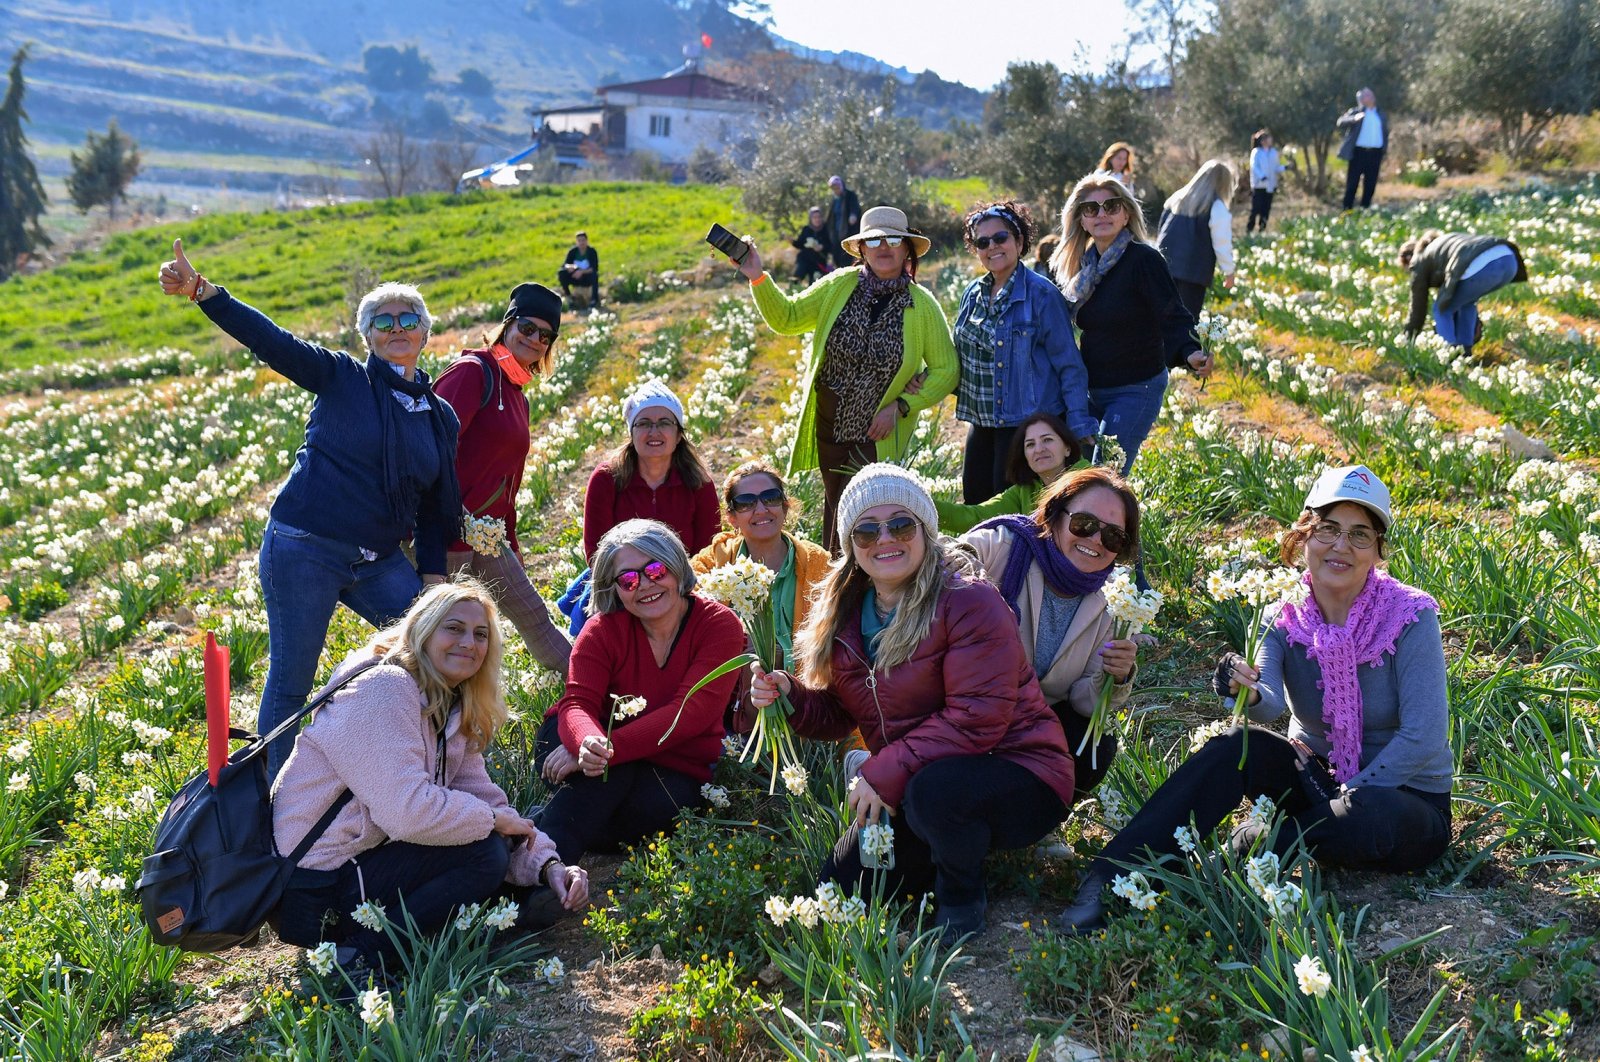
(1050, 566)
(965, 755)
(484, 386)
(1042, 450)
(757, 507)
(1365, 773)
(651, 640)
(1134, 326)
(880, 353)
(377, 464)
(1013, 336)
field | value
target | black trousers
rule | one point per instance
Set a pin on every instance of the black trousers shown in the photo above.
(1260, 207)
(1363, 167)
(1090, 768)
(634, 801)
(955, 810)
(837, 463)
(1192, 295)
(592, 282)
(432, 880)
(983, 469)
(1370, 828)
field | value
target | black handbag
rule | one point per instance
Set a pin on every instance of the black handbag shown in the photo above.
(215, 874)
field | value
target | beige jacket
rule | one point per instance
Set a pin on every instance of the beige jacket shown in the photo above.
(1074, 675)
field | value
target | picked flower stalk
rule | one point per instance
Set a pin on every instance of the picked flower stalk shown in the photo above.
(1257, 591)
(622, 709)
(1131, 611)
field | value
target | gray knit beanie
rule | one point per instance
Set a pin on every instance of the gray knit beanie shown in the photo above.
(885, 484)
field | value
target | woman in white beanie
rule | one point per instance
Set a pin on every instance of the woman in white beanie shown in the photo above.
(965, 755)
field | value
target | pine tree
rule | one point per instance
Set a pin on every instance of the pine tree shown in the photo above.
(21, 195)
(101, 175)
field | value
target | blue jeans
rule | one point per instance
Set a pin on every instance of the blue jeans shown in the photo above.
(1129, 412)
(1457, 324)
(303, 579)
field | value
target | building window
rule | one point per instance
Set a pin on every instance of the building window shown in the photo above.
(660, 125)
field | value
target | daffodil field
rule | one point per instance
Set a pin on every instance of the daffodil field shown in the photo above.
(132, 497)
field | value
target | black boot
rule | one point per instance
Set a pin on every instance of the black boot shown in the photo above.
(1086, 914)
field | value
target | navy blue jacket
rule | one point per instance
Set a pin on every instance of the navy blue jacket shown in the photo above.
(1185, 243)
(335, 488)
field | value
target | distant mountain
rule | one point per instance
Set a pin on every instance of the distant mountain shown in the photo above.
(286, 78)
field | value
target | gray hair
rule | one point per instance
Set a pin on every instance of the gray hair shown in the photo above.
(652, 538)
(1214, 180)
(390, 292)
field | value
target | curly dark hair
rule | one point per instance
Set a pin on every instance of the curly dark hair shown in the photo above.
(1016, 216)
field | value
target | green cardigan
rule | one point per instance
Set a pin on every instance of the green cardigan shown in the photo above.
(927, 344)
(955, 518)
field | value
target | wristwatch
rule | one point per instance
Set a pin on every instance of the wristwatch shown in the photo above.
(904, 406)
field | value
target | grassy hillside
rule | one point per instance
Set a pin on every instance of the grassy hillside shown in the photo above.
(296, 265)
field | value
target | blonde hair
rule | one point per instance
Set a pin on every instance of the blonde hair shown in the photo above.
(1214, 180)
(1105, 160)
(546, 365)
(1075, 239)
(404, 644)
(840, 596)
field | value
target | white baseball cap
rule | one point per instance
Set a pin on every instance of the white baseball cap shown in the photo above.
(1351, 483)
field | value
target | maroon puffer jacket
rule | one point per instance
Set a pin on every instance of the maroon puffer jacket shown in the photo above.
(966, 691)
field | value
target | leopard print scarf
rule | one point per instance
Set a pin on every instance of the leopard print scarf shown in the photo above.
(864, 351)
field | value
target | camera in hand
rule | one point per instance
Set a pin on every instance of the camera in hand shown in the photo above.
(727, 243)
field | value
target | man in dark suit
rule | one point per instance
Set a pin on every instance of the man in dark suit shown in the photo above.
(1366, 138)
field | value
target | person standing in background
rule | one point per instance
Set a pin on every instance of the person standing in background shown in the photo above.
(1264, 171)
(1366, 138)
(844, 220)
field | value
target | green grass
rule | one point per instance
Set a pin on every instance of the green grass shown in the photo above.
(214, 160)
(294, 265)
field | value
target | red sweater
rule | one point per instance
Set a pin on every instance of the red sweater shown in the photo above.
(612, 656)
(693, 514)
(493, 441)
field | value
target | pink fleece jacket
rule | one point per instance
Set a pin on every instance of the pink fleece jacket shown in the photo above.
(373, 740)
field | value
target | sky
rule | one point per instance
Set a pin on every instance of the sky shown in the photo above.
(950, 37)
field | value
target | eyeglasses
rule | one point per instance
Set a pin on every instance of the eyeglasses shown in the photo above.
(628, 580)
(528, 330)
(1359, 537)
(999, 239)
(386, 322)
(772, 498)
(1086, 525)
(1092, 208)
(900, 528)
(878, 241)
(665, 424)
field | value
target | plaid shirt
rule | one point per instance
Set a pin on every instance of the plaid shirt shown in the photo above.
(975, 339)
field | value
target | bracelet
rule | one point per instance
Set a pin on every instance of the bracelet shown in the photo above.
(199, 285)
(904, 407)
(544, 868)
(758, 281)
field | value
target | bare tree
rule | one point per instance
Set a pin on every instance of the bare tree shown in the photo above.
(1166, 26)
(448, 159)
(393, 159)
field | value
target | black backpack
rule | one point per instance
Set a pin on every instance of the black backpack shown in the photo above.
(490, 371)
(215, 874)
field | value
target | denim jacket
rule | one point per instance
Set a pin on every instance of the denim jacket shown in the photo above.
(1037, 364)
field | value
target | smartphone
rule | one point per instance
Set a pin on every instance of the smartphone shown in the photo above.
(874, 861)
(727, 243)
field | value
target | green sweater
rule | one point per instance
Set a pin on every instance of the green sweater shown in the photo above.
(927, 345)
(955, 518)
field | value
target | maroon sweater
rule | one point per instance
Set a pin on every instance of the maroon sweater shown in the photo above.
(612, 656)
(693, 514)
(493, 441)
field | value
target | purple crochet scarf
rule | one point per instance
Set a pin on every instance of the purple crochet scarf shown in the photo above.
(1380, 613)
(1027, 546)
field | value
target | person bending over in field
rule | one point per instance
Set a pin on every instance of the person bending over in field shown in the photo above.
(1464, 268)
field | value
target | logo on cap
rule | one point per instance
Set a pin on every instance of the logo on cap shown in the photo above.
(1358, 474)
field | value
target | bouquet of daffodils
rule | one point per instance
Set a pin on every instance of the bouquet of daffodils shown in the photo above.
(1213, 329)
(1255, 590)
(484, 534)
(745, 586)
(1131, 611)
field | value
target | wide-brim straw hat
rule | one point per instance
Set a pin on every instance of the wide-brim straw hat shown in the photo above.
(885, 221)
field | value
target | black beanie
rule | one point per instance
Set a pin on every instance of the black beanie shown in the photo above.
(534, 300)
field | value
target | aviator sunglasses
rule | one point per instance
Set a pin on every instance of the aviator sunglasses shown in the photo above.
(386, 322)
(875, 241)
(772, 498)
(628, 580)
(900, 528)
(528, 329)
(1084, 525)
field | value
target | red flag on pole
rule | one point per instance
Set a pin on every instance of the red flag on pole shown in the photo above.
(216, 670)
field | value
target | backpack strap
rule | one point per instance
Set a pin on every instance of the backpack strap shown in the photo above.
(316, 832)
(322, 698)
(489, 371)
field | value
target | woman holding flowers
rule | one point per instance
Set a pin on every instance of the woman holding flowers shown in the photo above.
(964, 752)
(1134, 326)
(1013, 336)
(1041, 451)
(397, 758)
(1365, 773)
(629, 742)
(377, 467)
(880, 353)
(1051, 567)
(484, 387)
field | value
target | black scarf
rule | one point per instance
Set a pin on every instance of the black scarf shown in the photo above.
(399, 464)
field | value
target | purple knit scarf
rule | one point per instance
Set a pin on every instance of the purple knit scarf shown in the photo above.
(1029, 547)
(1380, 613)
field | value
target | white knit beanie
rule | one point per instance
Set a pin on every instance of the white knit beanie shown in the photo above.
(885, 484)
(650, 393)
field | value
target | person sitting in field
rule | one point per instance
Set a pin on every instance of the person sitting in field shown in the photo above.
(1364, 776)
(1050, 565)
(423, 826)
(965, 755)
(625, 746)
(811, 248)
(1041, 450)
(581, 269)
